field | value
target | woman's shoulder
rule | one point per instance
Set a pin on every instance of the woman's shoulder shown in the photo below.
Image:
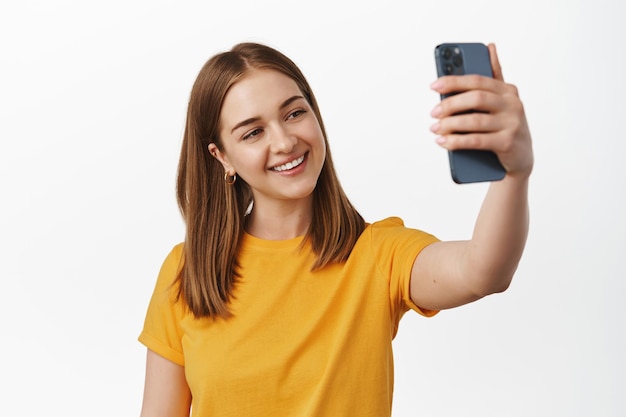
(171, 266)
(175, 256)
(388, 222)
(176, 251)
(394, 228)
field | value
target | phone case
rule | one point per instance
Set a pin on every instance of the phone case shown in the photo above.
(468, 166)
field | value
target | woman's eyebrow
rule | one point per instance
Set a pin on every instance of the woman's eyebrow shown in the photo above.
(256, 119)
(245, 123)
(289, 101)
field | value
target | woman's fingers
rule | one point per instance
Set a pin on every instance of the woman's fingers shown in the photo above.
(493, 141)
(497, 114)
(476, 100)
(452, 84)
(476, 111)
(476, 131)
(476, 122)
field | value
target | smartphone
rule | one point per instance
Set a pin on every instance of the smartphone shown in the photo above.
(468, 165)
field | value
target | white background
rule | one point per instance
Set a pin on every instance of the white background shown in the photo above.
(92, 106)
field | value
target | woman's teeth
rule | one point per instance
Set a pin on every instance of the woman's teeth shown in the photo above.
(289, 165)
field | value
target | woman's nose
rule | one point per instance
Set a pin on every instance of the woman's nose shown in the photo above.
(282, 141)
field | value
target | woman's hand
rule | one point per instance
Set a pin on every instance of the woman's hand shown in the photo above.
(497, 121)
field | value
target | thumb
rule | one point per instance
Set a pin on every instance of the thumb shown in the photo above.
(495, 62)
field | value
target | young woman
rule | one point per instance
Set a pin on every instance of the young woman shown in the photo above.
(282, 301)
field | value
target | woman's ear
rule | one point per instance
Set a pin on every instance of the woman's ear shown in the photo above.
(219, 155)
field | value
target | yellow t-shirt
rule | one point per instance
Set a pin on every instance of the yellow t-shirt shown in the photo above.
(300, 343)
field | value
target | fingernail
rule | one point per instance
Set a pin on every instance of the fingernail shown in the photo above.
(434, 127)
(440, 140)
(436, 85)
(436, 111)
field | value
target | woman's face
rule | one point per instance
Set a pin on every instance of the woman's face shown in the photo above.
(271, 138)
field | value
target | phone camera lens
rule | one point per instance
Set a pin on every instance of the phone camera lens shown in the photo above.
(447, 53)
(457, 60)
(448, 69)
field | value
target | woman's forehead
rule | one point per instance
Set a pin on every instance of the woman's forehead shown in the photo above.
(257, 92)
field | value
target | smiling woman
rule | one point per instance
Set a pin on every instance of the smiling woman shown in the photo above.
(282, 300)
(278, 149)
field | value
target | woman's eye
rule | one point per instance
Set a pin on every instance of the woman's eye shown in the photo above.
(295, 114)
(254, 133)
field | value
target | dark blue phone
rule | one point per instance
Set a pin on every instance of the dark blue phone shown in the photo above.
(467, 166)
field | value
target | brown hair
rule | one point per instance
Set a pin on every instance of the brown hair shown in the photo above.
(214, 212)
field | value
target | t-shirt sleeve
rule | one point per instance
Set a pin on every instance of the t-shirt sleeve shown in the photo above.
(162, 331)
(396, 248)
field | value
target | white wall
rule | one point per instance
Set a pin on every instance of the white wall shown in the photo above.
(92, 103)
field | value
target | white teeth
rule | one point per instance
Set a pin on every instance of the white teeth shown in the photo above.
(289, 165)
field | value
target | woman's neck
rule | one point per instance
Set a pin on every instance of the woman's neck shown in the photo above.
(280, 220)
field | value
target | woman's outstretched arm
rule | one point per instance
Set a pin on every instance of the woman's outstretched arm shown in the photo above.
(449, 274)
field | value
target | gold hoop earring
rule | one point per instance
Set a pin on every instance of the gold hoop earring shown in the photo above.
(230, 179)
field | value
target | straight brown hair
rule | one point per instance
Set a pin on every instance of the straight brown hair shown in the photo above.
(214, 212)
